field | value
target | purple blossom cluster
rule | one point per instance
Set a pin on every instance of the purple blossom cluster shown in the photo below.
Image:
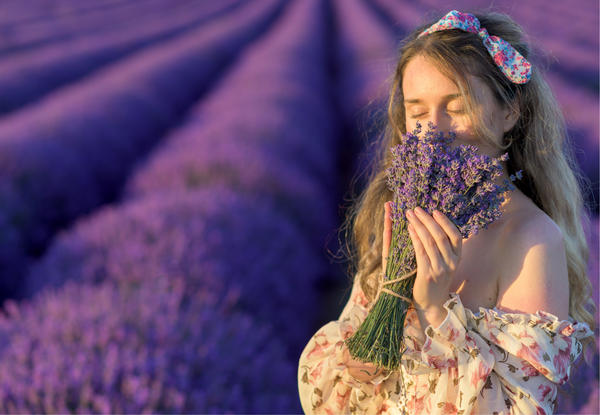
(37, 69)
(240, 208)
(160, 347)
(266, 130)
(365, 48)
(427, 172)
(43, 31)
(71, 152)
(15, 13)
(242, 244)
(364, 51)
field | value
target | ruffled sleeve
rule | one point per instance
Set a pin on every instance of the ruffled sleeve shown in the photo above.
(325, 384)
(492, 362)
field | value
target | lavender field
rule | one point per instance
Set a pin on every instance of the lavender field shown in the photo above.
(172, 178)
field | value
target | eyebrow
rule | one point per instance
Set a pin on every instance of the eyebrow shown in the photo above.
(449, 96)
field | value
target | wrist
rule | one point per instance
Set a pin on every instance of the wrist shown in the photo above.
(433, 315)
(429, 308)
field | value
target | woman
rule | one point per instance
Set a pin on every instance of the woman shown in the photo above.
(499, 317)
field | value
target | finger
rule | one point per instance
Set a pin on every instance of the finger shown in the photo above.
(387, 235)
(420, 252)
(451, 230)
(427, 240)
(442, 239)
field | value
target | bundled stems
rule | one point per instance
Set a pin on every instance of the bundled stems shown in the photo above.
(379, 339)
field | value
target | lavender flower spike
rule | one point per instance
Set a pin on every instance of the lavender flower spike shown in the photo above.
(426, 172)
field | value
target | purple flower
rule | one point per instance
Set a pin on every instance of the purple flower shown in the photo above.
(159, 347)
(217, 239)
(71, 152)
(58, 50)
(266, 130)
(426, 172)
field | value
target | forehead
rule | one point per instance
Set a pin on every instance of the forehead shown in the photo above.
(423, 80)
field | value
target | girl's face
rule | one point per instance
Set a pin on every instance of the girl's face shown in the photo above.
(431, 96)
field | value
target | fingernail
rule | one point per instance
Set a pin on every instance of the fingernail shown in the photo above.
(436, 214)
(410, 228)
(409, 214)
(418, 211)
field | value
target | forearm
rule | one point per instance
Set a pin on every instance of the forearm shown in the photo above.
(330, 381)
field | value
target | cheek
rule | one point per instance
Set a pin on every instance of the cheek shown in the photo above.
(464, 130)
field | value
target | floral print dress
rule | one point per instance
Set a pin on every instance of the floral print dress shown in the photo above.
(486, 363)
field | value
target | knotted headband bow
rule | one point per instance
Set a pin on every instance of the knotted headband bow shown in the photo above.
(511, 63)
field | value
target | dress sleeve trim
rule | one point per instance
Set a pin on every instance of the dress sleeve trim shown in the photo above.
(544, 343)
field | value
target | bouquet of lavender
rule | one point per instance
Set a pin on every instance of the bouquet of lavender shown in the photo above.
(425, 173)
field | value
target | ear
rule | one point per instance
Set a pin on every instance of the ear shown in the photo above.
(510, 115)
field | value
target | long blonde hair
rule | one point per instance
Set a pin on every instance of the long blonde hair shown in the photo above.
(537, 145)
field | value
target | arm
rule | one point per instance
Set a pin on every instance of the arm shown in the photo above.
(489, 362)
(330, 382)
(493, 362)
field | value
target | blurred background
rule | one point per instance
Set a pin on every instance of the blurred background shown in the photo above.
(173, 176)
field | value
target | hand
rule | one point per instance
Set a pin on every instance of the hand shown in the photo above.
(363, 372)
(438, 249)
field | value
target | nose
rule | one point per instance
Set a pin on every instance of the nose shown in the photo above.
(441, 119)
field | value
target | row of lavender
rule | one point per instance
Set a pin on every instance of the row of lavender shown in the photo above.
(202, 279)
(15, 12)
(48, 29)
(67, 154)
(32, 73)
(230, 190)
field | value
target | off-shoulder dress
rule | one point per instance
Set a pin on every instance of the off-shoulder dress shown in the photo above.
(486, 363)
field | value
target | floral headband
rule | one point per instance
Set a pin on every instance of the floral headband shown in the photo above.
(511, 63)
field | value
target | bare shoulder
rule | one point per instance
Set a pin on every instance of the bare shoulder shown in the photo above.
(528, 228)
(534, 275)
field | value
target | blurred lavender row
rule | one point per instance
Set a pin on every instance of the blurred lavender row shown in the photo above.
(581, 394)
(266, 133)
(159, 347)
(365, 50)
(238, 199)
(210, 232)
(20, 11)
(71, 152)
(28, 35)
(28, 76)
(197, 287)
(266, 130)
